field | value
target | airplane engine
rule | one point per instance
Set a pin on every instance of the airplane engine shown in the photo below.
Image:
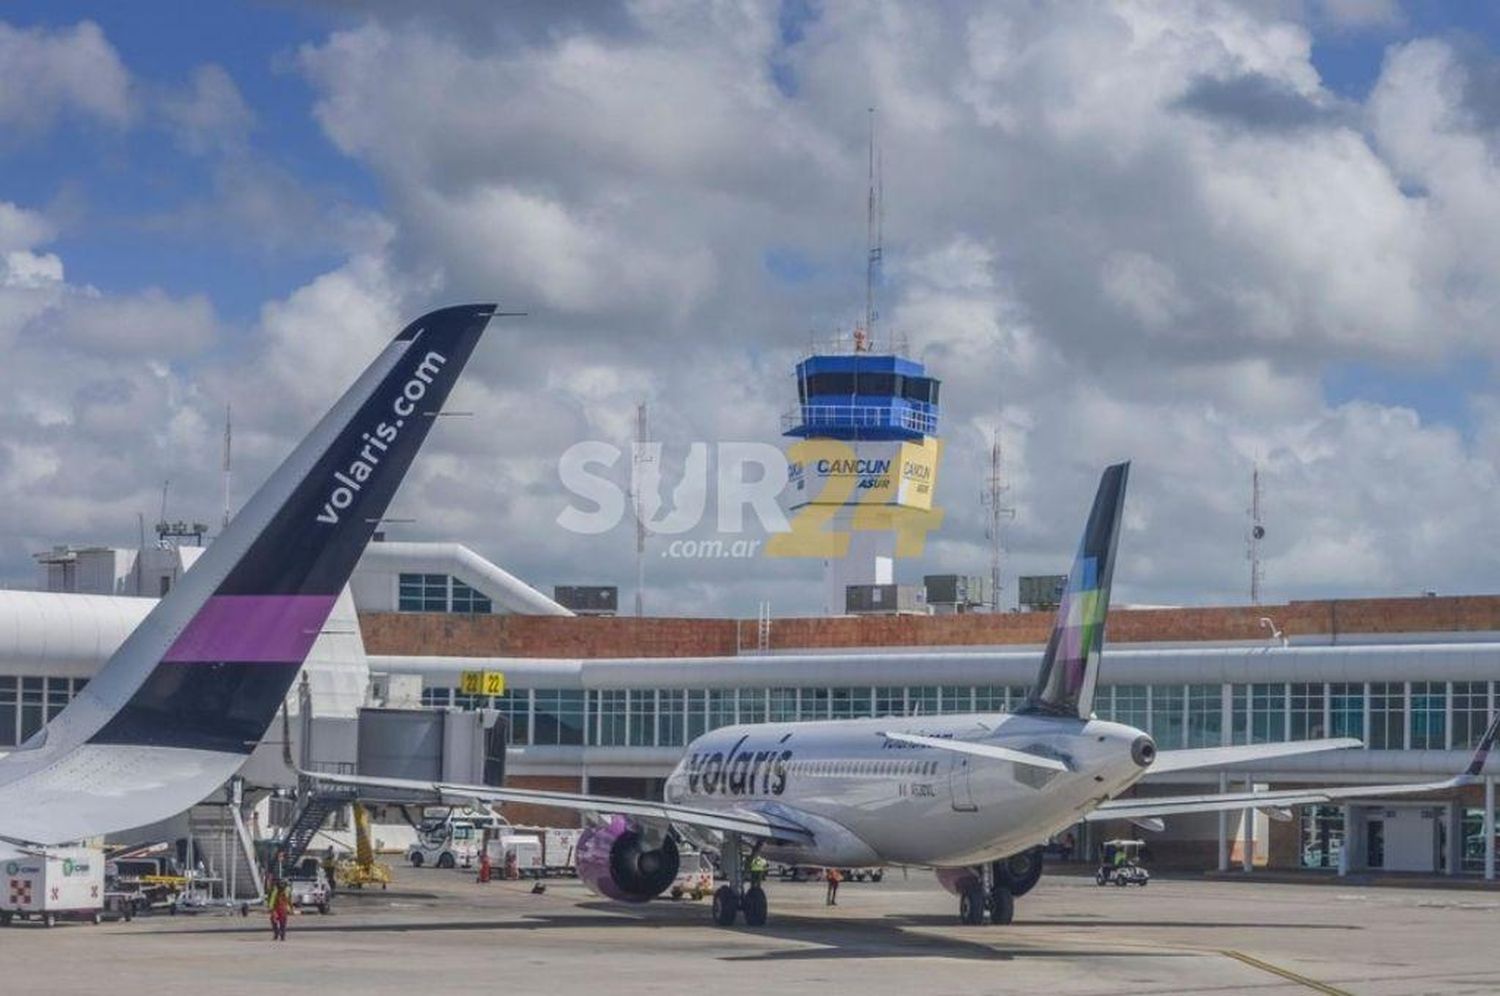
(616, 861)
(955, 880)
(1019, 873)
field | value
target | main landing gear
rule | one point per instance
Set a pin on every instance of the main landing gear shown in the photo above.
(994, 888)
(983, 894)
(734, 898)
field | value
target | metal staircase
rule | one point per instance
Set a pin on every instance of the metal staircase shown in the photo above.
(223, 845)
(313, 809)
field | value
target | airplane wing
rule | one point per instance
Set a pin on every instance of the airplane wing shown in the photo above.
(1218, 757)
(991, 751)
(1154, 806)
(177, 709)
(741, 820)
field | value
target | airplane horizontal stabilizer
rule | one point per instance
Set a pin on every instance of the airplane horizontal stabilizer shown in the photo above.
(1218, 757)
(1180, 805)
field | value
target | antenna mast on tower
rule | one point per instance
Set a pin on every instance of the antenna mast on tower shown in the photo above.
(228, 436)
(640, 456)
(1253, 538)
(993, 498)
(874, 231)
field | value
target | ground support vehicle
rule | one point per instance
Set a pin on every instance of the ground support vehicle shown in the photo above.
(63, 883)
(1127, 871)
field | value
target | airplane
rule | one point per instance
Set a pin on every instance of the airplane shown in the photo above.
(973, 797)
(180, 705)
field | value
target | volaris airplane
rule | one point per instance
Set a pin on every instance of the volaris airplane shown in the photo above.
(177, 709)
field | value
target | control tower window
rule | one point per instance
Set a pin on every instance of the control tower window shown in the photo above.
(877, 384)
(923, 389)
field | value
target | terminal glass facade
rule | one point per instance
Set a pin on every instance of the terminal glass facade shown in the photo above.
(1169, 716)
(1308, 710)
(1429, 715)
(1346, 709)
(1387, 715)
(438, 593)
(1426, 715)
(28, 702)
(1205, 715)
(1471, 712)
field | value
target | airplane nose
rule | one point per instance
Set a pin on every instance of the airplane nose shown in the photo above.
(1143, 751)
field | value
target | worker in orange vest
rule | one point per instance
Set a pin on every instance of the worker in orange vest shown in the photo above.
(279, 899)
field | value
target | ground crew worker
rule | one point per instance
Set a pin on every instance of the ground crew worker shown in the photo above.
(834, 878)
(279, 899)
(329, 866)
(758, 869)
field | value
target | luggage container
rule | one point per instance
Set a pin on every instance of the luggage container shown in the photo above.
(525, 847)
(59, 883)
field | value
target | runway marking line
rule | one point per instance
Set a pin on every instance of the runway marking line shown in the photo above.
(1284, 973)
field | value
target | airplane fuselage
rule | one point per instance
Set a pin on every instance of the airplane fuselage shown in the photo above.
(869, 800)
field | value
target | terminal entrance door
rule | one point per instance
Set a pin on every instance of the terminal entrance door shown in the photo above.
(1375, 843)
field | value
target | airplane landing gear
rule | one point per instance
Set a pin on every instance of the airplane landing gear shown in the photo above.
(1002, 905)
(726, 905)
(755, 906)
(735, 898)
(971, 904)
(986, 892)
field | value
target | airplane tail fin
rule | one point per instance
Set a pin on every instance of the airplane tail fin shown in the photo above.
(1482, 752)
(1070, 667)
(211, 664)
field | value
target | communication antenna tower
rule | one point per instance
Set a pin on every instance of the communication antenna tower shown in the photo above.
(874, 230)
(228, 438)
(641, 456)
(1254, 537)
(993, 498)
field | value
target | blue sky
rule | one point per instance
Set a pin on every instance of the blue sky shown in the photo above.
(113, 185)
(1166, 232)
(116, 182)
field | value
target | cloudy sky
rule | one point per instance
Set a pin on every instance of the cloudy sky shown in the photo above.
(1200, 236)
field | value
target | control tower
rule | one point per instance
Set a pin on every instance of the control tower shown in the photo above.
(865, 467)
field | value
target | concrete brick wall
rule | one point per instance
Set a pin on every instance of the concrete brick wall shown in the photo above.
(552, 636)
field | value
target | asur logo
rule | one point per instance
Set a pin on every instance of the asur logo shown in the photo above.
(350, 481)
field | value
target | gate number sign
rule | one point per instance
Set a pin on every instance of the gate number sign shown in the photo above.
(481, 683)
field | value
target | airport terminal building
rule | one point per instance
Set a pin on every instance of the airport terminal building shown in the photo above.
(606, 704)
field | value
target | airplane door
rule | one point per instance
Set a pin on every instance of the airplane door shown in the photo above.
(958, 782)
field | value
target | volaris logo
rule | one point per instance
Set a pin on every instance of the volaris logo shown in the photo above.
(752, 772)
(350, 481)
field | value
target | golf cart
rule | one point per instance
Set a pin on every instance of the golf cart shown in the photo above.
(1121, 864)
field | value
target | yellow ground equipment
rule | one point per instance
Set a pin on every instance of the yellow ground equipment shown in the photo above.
(362, 869)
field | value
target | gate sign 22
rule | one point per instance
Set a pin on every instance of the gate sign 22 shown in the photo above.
(481, 683)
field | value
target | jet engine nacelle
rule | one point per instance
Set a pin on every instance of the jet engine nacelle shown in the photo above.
(1019, 873)
(956, 880)
(616, 861)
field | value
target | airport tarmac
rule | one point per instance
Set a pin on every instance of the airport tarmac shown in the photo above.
(440, 932)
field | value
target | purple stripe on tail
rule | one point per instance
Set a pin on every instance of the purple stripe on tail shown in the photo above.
(252, 628)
